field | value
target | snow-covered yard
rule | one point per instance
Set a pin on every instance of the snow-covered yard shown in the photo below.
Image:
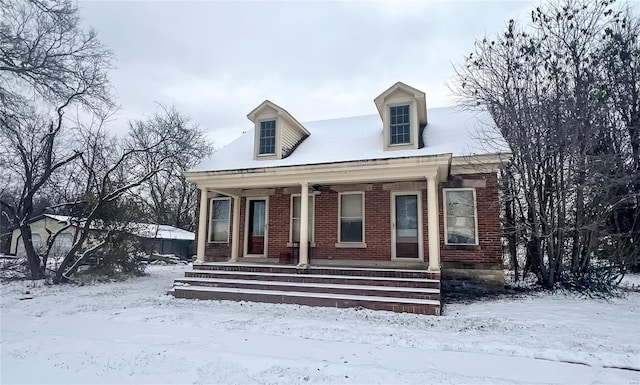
(132, 332)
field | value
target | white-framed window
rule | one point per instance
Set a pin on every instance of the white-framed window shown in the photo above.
(220, 210)
(267, 139)
(294, 233)
(460, 216)
(351, 217)
(399, 124)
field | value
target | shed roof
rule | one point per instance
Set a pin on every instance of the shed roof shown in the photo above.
(144, 230)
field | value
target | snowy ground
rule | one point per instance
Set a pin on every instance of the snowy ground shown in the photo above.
(131, 332)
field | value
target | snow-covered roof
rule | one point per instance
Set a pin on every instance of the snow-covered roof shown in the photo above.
(59, 218)
(450, 130)
(144, 230)
(149, 230)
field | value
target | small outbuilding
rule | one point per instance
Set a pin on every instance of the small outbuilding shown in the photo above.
(162, 239)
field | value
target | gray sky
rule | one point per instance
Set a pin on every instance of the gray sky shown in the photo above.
(216, 61)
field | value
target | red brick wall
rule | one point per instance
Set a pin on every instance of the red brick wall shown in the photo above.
(377, 226)
(278, 223)
(377, 233)
(489, 232)
(214, 250)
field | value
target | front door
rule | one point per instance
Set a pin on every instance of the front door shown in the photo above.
(257, 226)
(406, 225)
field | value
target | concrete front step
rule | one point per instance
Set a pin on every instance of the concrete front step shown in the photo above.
(408, 305)
(316, 278)
(400, 290)
(320, 270)
(346, 289)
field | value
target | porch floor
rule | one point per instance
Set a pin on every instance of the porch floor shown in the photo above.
(342, 263)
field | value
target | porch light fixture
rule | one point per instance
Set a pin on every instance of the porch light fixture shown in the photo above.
(317, 189)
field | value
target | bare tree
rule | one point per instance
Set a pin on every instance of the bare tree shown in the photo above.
(546, 87)
(47, 65)
(110, 169)
(44, 51)
(622, 69)
(167, 196)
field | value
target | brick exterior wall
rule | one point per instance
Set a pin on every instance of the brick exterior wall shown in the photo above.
(377, 227)
(214, 251)
(488, 208)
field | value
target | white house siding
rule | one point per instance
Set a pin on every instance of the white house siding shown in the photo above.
(290, 137)
(39, 230)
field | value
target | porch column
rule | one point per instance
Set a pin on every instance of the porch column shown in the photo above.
(304, 225)
(235, 236)
(433, 223)
(202, 225)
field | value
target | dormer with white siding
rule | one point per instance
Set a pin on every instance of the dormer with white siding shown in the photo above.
(277, 133)
(403, 110)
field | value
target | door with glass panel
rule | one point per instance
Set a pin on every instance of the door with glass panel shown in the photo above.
(406, 225)
(256, 226)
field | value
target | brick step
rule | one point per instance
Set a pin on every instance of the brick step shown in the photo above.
(408, 305)
(317, 270)
(316, 278)
(360, 290)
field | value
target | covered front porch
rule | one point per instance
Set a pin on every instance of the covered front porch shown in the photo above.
(382, 213)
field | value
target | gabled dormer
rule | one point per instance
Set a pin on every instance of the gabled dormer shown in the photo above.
(403, 110)
(276, 133)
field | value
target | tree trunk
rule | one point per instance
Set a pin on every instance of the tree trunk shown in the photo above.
(32, 257)
(510, 229)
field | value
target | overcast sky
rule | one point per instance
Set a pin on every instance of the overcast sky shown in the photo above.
(216, 61)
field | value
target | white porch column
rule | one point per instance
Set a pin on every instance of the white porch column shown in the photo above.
(433, 223)
(235, 232)
(304, 225)
(202, 225)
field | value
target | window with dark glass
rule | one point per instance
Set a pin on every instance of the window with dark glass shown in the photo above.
(351, 217)
(399, 126)
(219, 225)
(267, 144)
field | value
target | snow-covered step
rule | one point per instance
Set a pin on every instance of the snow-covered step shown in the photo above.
(324, 270)
(409, 305)
(369, 290)
(317, 278)
(401, 290)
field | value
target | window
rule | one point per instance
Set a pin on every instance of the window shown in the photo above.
(399, 125)
(219, 225)
(295, 218)
(267, 145)
(351, 217)
(460, 217)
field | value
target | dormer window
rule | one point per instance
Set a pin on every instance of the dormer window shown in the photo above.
(400, 125)
(267, 137)
(403, 111)
(276, 134)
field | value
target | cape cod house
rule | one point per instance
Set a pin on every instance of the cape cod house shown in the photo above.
(375, 211)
